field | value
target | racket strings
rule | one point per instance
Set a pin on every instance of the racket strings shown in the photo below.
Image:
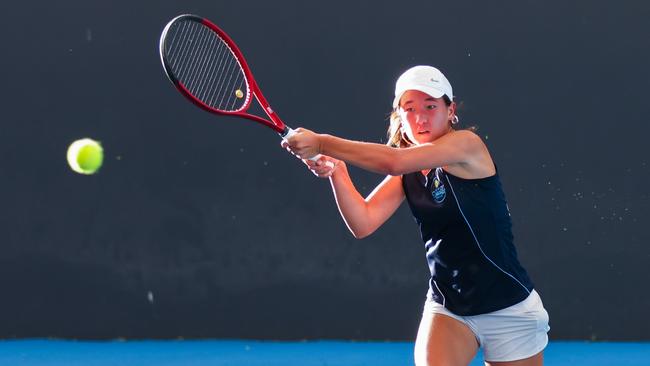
(206, 66)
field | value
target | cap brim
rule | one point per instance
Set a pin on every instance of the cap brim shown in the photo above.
(436, 93)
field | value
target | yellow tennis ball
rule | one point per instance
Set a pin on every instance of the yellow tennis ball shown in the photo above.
(239, 94)
(85, 156)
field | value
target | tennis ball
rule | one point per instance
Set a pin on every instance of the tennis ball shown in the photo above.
(85, 156)
(239, 94)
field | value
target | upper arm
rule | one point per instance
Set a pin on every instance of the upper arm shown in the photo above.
(462, 148)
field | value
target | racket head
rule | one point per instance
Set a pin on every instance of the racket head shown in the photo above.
(208, 68)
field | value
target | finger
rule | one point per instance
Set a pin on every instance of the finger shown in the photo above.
(290, 140)
(321, 175)
(323, 170)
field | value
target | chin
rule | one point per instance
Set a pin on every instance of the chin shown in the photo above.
(424, 138)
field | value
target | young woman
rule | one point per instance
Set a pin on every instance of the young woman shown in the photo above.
(479, 294)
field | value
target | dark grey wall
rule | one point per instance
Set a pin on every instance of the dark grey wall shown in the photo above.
(233, 238)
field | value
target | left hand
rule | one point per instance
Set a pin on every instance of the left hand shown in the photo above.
(304, 144)
(324, 167)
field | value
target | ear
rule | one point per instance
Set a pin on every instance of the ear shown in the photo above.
(451, 111)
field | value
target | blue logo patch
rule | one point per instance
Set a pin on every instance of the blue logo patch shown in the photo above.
(439, 193)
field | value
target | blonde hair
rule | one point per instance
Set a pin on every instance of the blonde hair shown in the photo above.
(395, 134)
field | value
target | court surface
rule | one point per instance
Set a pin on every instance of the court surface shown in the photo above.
(268, 353)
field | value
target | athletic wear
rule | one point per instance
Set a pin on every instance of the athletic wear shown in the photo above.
(466, 228)
(514, 333)
(426, 79)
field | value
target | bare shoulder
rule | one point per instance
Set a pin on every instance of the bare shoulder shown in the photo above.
(469, 137)
(477, 162)
(467, 141)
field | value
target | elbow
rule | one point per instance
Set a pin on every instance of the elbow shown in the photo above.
(394, 164)
(392, 171)
(390, 167)
(361, 232)
(394, 168)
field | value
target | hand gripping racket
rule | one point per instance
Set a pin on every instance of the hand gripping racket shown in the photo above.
(208, 68)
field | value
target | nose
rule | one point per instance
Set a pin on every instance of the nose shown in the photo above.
(421, 119)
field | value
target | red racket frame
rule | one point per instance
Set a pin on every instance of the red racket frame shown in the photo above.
(275, 123)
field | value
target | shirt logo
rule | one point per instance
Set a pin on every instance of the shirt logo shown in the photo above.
(439, 193)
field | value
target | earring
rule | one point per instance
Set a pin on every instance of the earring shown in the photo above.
(454, 120)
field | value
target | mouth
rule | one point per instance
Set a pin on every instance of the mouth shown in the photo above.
(423, 132)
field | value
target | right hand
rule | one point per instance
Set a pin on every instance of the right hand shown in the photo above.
(324, 167)
(303, 143)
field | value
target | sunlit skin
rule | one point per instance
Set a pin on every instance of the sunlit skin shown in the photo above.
(425, 118)
(426, 122)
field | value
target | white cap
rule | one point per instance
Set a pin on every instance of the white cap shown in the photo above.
(426, 79)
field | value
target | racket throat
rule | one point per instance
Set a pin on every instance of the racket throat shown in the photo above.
(287, 132)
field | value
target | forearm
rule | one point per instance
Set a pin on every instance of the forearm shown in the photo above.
(373, 157)
(352, 206)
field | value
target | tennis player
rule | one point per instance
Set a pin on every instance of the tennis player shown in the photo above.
(479, 294)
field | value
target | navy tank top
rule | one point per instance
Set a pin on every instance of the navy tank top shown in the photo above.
(467, 233)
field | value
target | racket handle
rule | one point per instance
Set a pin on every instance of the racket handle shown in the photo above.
(288, 132)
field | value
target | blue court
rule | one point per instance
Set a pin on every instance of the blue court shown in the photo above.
(268, 353)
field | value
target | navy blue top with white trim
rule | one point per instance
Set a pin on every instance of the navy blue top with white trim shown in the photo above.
(466, 228)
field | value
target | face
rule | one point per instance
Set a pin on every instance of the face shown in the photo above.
(424, 118)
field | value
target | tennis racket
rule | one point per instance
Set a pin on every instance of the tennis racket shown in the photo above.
(208, 68)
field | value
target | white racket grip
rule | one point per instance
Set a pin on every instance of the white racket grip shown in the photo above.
(291, 132)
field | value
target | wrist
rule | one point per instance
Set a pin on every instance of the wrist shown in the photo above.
(322, 142)
(339, 167)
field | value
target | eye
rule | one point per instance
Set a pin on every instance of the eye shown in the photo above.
(432, 106)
